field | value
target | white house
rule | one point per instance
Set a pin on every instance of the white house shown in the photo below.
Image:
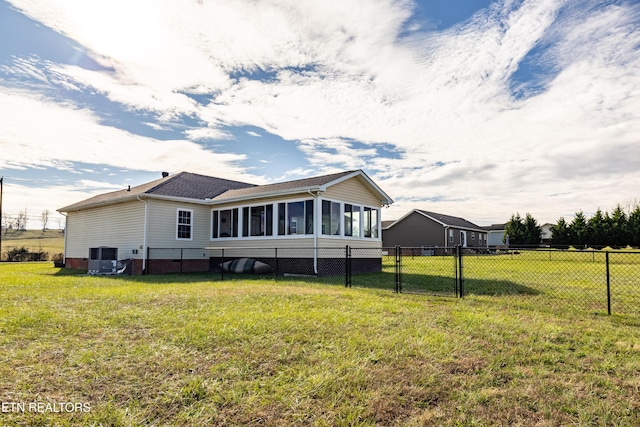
(193, 217)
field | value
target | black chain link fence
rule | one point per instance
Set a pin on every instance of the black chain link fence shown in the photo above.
(590, 280)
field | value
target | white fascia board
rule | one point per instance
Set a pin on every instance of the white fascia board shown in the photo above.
(401, 218)
(125, 199)
(433, 219)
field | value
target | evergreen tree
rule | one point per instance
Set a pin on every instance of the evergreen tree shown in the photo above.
(515, 229)
(560, 233)
(533, 231)
(619, 229)
(633, 223)
(578, 230)
(598, 229)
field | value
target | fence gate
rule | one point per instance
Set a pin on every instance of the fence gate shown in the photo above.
(428, 270)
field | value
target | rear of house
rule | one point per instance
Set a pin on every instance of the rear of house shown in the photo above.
(309, 221)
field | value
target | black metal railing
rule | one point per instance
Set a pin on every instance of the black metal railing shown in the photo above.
(593, 280)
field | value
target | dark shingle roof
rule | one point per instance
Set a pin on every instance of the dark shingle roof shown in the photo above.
(494, 227)
(453, 221)
(194, 186)
(183, 184)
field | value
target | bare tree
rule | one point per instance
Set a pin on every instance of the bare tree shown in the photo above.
(629, 205)
(44, 219)
(21, 221)
(7, 223)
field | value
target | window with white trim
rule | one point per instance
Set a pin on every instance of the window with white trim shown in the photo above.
(224, 223)
(330, 218)
(257, 220)
(295, 218)
(351, 220)
(370, 222)
(184, 224)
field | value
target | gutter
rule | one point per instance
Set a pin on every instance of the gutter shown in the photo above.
(446, 236)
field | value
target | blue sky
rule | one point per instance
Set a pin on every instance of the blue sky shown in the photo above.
(472, 108)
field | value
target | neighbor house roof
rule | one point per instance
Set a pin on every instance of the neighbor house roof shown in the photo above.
(444, 220)
(216, 190)
(495, 227)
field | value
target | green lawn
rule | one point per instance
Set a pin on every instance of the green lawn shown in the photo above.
(189, 350)
(559, 279)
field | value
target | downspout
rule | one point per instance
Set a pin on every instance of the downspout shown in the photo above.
(315, 231)
(144, 236)
(446, 236)
(66, 231)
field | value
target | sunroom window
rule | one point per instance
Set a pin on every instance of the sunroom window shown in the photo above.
(351, 220)
(330, 218)
(224, 223)
(257, 220)
(371, 223)
(295, 218)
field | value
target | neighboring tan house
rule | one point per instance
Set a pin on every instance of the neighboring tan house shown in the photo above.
(420, 228)
(189, 218)
(495, 234)
(546, 233)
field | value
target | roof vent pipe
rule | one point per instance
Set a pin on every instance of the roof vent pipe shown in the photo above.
(165, 174)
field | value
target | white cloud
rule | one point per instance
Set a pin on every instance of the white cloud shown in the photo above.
(340, 72)
(35, 132)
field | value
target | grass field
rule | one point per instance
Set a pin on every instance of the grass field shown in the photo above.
(561, 278)
(189, 350)
(51, 241)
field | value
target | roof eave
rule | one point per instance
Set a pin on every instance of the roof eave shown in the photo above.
(131, 198)
(299, 190)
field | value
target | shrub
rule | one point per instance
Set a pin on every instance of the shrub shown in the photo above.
(23, 254)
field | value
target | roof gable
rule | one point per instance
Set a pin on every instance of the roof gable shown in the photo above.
(186, 185)
(444, 220)
(317, 183)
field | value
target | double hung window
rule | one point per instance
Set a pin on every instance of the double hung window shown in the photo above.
(184, 224)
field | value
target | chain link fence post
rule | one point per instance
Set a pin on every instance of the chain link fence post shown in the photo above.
(398, 269)
(608, 284)
(460, 270)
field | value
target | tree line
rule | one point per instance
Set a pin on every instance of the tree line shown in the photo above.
(620, 228)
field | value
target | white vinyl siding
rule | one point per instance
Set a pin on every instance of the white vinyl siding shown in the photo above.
(119, 226)
(163, 225)
(352, 191)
